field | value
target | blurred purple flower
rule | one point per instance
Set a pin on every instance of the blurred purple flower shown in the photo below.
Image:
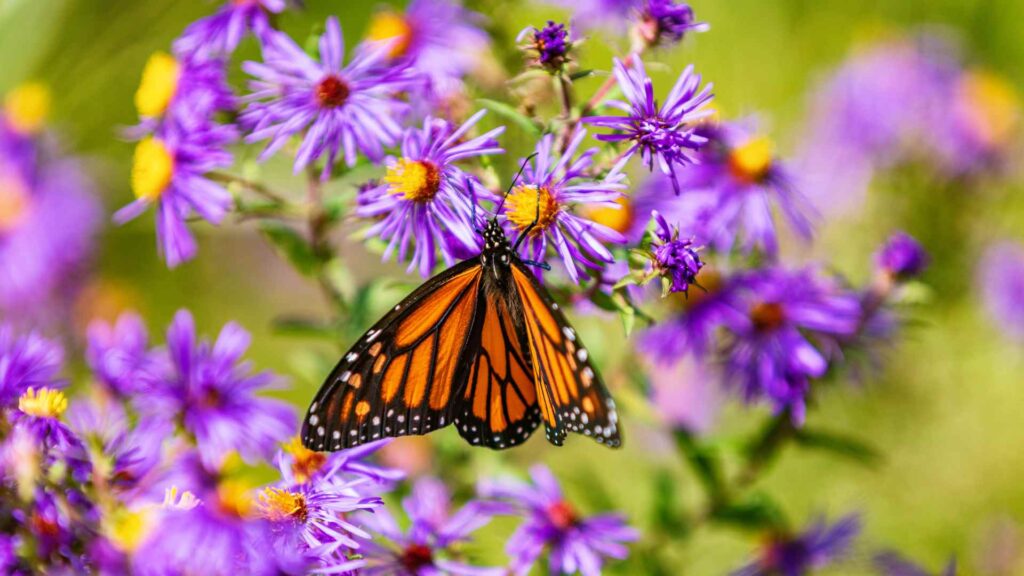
(741, 181)
(438, 38)
(169, 170)
(675, 260)
(611, 14)
(119, 354)
(1001, 275)
(130, 454)
(700, 315)
(666, 22)
(426, 199)
(187, 90)
(661, 134)
(26, 361)
(216, 535)
(546, 192)
(902, 257)
(819, 545)
(771, 355)
(342, 109)
(891, 563)
(574, 543)
(49, 215)
(211, 392)
(685, 394)
(39, 412)
(422, 550)
(220, 33)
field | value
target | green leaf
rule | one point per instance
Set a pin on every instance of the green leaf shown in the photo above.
(304, 327)
(757, 512)
(509, 113)
(704, 461)
(292, 245)
(838, 444)
(581, 74)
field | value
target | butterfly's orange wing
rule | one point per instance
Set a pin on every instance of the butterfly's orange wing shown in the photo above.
(403, 376)
(498, 405)
(571, 395)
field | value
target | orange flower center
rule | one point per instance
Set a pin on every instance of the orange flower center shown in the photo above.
(332, 92)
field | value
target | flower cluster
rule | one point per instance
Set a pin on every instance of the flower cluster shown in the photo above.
(145, 475)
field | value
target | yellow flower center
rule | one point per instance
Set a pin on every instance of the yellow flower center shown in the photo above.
(14, 202)
(527, 204)
(751, 160)
(991, 105)
(619, 219)
(158, 85)
(416, 180)
(152, 169)
(388, 25)
(234, 498)
(279, 505)
(44, 403)
(306, 463)
(28, 106)
(174, 500)
(127, 529)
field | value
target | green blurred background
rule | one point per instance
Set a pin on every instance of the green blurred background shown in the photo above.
(948, 412)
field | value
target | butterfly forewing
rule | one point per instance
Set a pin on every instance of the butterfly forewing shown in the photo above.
(400, 377)
(570, 393)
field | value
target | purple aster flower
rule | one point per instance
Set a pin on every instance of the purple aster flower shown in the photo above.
(130, 455)
(214, 534)
(311, 516)
(986, 118)
(8, 555)
(891, 563)
(220, 33)
(211, 392)
(341, 108)
(574, 543)
(663, 134)
(902, 257)
(169, 170)
(425, 199)
(819, 545)
(189, 90)
(549, 187)
(675, 260)
(26, 361)
(666, 22)
(551, 43)
(699, 317)
(39, 412)
(737, 182)
(119, 354)
(1002, 285)
(871, 113)
(439, 38)
(49, 215)
(425, 548)
(300, 465)
(771, 356)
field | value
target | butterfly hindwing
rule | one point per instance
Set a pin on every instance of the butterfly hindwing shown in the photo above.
(571, 395)
(401, 376)
(498, 405)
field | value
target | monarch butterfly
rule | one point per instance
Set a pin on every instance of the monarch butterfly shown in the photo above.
(481, 346)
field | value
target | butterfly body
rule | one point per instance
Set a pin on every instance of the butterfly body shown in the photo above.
(481, 346)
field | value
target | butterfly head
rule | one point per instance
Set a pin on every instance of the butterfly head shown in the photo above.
(497, 250)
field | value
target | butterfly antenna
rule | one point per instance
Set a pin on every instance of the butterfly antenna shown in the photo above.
(515, 180)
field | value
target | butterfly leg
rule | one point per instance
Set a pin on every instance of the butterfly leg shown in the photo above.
(541, 265)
